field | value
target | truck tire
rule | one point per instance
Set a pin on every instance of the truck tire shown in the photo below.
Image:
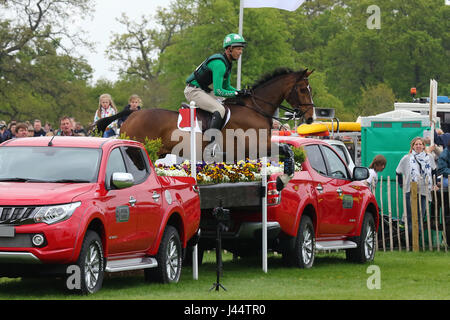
(365, 250)
(303, 252)
(91, 264)
(169, 259)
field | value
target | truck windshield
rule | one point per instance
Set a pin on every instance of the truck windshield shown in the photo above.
(49, 164)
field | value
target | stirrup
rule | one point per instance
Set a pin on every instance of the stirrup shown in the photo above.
(213, 153)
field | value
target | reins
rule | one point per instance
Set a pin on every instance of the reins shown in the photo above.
(295, 112)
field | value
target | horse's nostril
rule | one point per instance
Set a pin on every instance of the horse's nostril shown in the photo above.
(309, 120)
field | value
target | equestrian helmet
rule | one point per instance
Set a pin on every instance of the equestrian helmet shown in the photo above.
(234, 40)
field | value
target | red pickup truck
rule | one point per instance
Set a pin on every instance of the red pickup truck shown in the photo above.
(324, 206)
(81, 206)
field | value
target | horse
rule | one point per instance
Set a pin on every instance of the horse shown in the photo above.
(254, 111)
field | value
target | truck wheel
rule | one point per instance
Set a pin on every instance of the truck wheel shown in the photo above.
(303, 252)
(91, 263)
(168, 257)
(365, 251)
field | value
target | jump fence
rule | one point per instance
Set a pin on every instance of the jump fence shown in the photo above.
(428, 230)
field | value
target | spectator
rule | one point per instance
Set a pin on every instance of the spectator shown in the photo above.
(11, 131)
(134, 104)
(106, 108)
(79, 130)
(30, 130)
(417, 166)
(276, 125)
(2, 131)
(21, 130)
(48, 128)
(65, 127)
(441, 138)
(444, 165)
(38, 130)
(378, 164)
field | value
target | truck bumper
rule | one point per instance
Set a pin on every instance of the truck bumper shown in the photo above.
(57, 246)
(19, 257)
(251, 230)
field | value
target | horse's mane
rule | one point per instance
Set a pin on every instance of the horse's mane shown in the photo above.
(276, 73)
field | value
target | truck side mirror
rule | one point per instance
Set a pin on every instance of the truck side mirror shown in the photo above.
(122, 180)
(360, 173)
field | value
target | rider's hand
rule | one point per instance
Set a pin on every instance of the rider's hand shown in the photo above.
(244, 92)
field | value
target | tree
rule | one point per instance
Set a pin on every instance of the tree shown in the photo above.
(38, 78)
(376, 99)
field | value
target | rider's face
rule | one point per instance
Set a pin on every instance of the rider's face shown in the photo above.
(236, 52)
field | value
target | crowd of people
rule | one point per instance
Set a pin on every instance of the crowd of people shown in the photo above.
(423, 164)
(68, 126)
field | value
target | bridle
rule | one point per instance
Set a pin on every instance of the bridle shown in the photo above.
(296, 112)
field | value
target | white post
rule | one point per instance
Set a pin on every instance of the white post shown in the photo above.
(264, 213)
(241, 27)
(194, 175)
(433, 108)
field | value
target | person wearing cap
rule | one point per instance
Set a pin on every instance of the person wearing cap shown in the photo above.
(215, 70)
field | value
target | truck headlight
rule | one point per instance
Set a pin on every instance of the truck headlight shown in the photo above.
(53, 214)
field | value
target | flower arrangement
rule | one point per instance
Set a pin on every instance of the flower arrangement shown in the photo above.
(242, 171)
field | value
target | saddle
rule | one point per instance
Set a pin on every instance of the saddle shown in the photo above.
(202, 118)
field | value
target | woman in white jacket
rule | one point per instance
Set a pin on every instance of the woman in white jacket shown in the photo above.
(417, 166)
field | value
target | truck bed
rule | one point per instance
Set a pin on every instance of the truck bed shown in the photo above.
(231, 195)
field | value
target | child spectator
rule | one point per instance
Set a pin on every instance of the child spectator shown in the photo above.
(134, 104)
(106, 108)
(378, 164)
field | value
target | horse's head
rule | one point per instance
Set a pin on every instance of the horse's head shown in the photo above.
(300, 97)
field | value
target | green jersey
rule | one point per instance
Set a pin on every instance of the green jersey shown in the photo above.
(214, 70)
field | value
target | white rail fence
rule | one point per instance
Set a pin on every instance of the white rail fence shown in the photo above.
(428, 230)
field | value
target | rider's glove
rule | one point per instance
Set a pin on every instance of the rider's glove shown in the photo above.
(244, 92)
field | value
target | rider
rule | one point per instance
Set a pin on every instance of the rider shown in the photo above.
(215, 70)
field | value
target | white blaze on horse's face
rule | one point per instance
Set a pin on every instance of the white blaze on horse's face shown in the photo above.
(314, 117)
(310, 94)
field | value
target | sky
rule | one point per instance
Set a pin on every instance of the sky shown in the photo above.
(100, 28)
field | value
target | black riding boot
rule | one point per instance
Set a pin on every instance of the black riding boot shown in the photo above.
(212, 148)
(216, 123)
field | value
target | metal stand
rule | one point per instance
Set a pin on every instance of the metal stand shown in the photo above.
(222, 215)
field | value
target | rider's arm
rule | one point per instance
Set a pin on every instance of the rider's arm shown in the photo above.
(221, 88)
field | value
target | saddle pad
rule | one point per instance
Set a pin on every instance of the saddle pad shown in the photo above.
(197, 127)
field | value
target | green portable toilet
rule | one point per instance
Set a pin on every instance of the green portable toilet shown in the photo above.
(390, 134)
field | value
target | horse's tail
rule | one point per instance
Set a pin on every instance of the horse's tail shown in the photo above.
(103, 123)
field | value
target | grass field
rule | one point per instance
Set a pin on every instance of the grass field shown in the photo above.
(424, 275)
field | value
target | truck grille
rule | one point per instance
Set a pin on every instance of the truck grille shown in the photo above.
(15, 215)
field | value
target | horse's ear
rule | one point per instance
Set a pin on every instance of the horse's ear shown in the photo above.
(303, 74)
(308, 73)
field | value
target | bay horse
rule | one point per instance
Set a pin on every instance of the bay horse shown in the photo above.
(255, 111)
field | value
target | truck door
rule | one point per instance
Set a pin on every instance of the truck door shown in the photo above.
(147, 196)
(121, 214)
(342, 219)
(328, 202)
